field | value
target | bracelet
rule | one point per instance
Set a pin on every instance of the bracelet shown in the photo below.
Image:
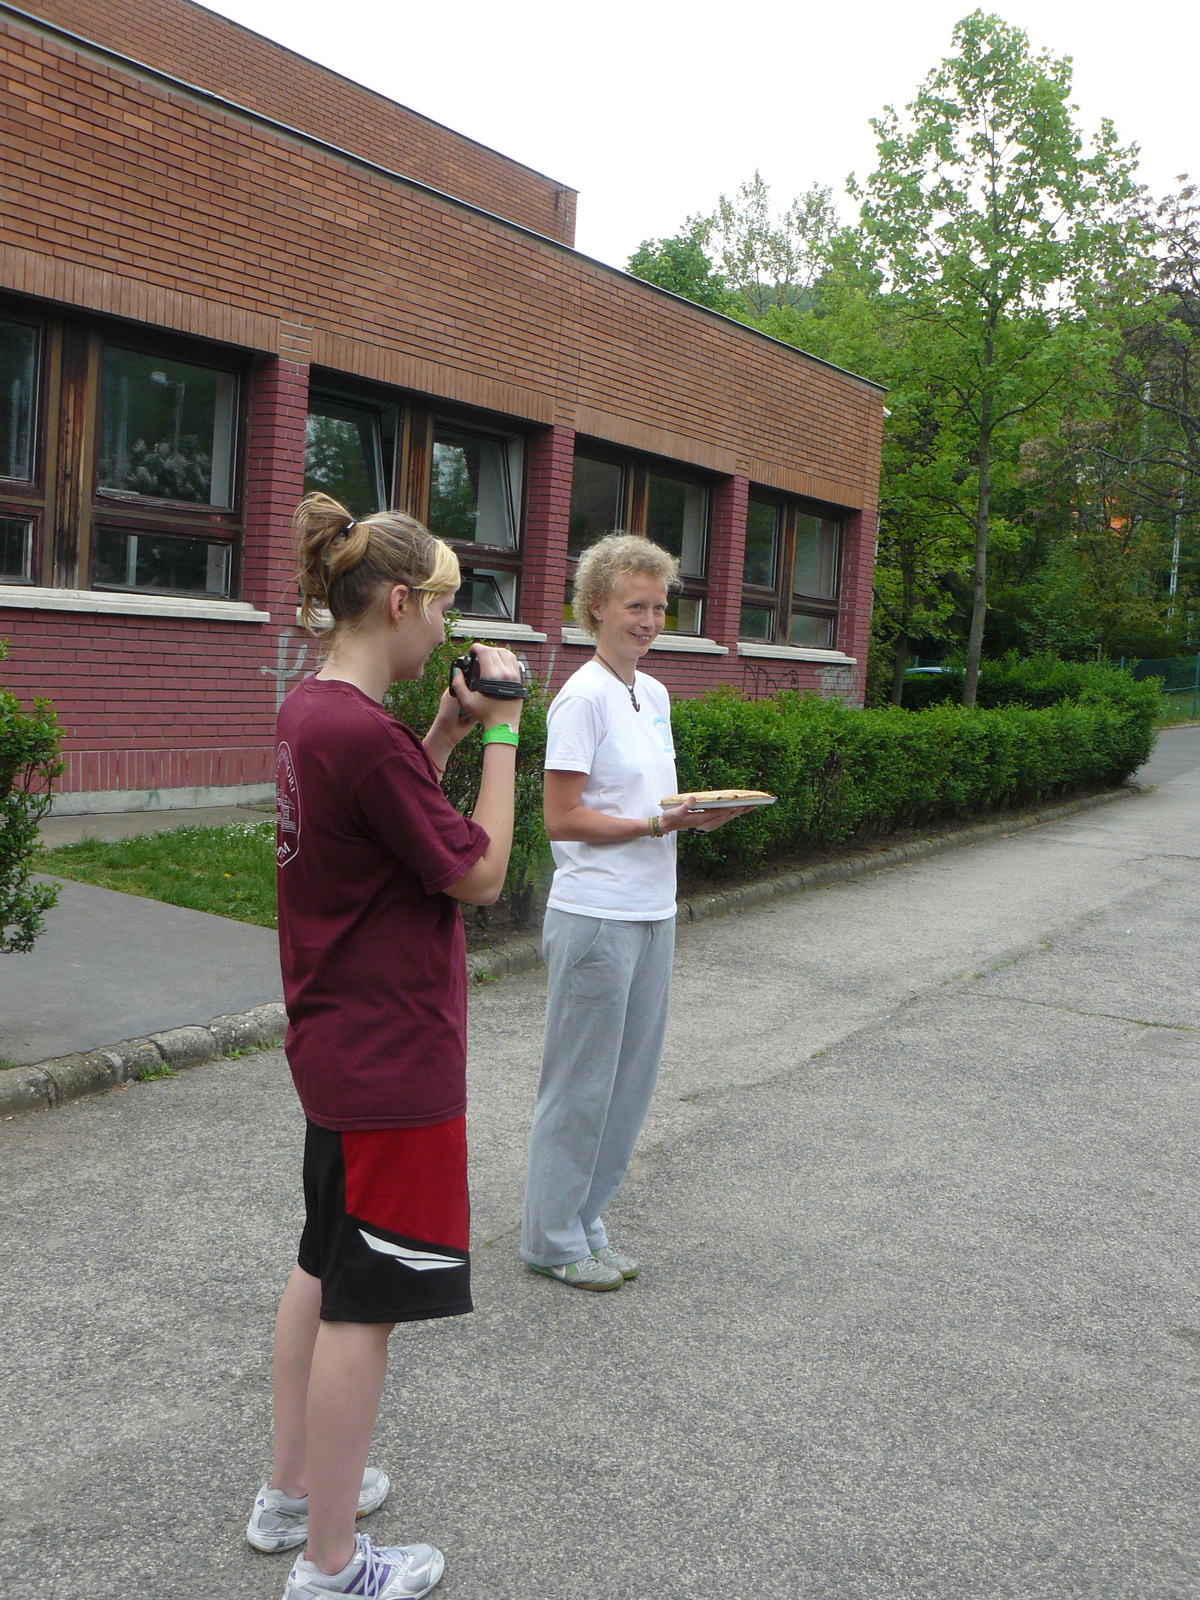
(501, 734)
(654, 828)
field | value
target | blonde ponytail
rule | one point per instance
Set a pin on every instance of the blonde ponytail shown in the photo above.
(344, 563)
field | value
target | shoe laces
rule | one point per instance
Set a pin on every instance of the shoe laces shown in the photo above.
(376, 1571)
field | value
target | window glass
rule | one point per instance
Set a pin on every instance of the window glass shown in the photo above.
(816, 556)
(758, 622)
(343, 455)
(597, 496)
(816, 632)
(155, 561)
(18, 398)
(474, 487)
(167, 428)
(16, 549)
(487, 594)
(676, 513)
(762, 545)
(684, 614)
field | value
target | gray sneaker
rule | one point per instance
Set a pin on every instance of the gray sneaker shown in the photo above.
(625, 1265)
(280, 1523)
(586, 1274)
(393, 1572)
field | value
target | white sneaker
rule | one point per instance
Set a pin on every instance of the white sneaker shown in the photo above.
(586, 1274)
(393, 1572)
(281, 1523)
(625, 1265)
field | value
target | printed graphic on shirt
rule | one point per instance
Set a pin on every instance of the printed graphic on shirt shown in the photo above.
(287, 807)
(662, 727)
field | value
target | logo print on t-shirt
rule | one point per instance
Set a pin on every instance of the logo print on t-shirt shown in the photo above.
(662, 726)
(287, 807)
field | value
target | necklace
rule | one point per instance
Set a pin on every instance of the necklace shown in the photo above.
(628, 687)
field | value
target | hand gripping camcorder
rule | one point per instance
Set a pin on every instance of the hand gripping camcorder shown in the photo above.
(493, 688)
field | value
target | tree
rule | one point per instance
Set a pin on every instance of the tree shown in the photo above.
(986, 216)
(29, 765)
(681, 265)
(769, 261)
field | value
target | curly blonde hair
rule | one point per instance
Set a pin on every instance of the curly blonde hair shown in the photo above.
(617, 555)
(345, 563)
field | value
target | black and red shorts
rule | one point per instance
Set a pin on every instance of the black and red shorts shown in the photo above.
(388, 1222)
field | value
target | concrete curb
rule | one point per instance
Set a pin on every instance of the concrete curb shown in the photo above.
(52, 1083)
(525, 955)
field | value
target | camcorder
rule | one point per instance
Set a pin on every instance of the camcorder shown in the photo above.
(493, 688)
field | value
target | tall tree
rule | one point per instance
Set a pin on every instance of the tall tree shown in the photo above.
(770, 260)
(988, 218)
(681, 264)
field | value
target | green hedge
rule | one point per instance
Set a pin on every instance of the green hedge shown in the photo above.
(1042, 680)
(29, 765)
(843, 774)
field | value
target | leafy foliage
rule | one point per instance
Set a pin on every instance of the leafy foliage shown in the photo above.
(842, 774)
(29, 765)
(415, 703)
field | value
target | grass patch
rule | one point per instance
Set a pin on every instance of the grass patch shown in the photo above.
(162, 1070)
(228, 871)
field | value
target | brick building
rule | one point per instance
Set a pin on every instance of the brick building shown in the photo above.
(227, 274)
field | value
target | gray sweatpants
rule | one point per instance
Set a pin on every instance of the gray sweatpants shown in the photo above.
(606, 1012)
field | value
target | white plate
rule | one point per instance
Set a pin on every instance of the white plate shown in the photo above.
(724, 805)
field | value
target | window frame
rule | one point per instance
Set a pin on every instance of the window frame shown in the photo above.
(638, 469)
(25, 499)
(784, 600)
(124, 511)
(392, 433)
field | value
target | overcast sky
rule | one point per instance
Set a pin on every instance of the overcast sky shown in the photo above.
(651, 108)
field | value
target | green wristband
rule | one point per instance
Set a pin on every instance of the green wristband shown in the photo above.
(501, 734)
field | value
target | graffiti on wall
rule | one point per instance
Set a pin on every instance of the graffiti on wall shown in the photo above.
(834, 682)
(283, 670)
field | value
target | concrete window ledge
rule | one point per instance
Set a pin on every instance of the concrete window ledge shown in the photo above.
(101, 603)
(464, 628)
(795, 652)
(665, 641)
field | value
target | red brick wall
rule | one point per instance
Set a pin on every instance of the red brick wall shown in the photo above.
(126, 197)
(201, 48)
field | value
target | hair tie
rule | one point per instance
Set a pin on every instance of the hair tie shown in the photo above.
(351, 525)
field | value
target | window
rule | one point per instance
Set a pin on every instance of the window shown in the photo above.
(344, 453)
(790, 575)
(614, 494)
(162, 563)
(18, 398)
(475, 481)
(16, 550)
(597, 502)
(167, 429)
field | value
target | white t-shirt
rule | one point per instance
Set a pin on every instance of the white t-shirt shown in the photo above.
(629, 757)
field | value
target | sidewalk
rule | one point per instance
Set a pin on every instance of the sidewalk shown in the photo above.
(113, 966)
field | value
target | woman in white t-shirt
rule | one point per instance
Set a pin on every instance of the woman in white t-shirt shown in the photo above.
(609, 934)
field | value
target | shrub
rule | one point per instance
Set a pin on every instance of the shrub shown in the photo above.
(842, 774)
(1041, 680)
(415, 703)
(29, 765)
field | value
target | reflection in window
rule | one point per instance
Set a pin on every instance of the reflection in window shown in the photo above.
(758, 622)
(487, 594)
(597, 496)
(167, 565)
(762, 544)
(684, 614)
(16, 550)
(18, 398)
(474, 488)
(343, 455)
(167, 428)
(676, 514)
(816, 632)
(816, 556)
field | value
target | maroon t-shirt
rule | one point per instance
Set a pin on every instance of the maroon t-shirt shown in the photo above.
(373, 953)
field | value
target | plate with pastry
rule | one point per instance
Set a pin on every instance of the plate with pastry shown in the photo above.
(720, 799)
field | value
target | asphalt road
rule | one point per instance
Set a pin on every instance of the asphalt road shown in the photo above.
(919, 1317)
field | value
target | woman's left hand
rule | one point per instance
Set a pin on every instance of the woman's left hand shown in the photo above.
(677, 818)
